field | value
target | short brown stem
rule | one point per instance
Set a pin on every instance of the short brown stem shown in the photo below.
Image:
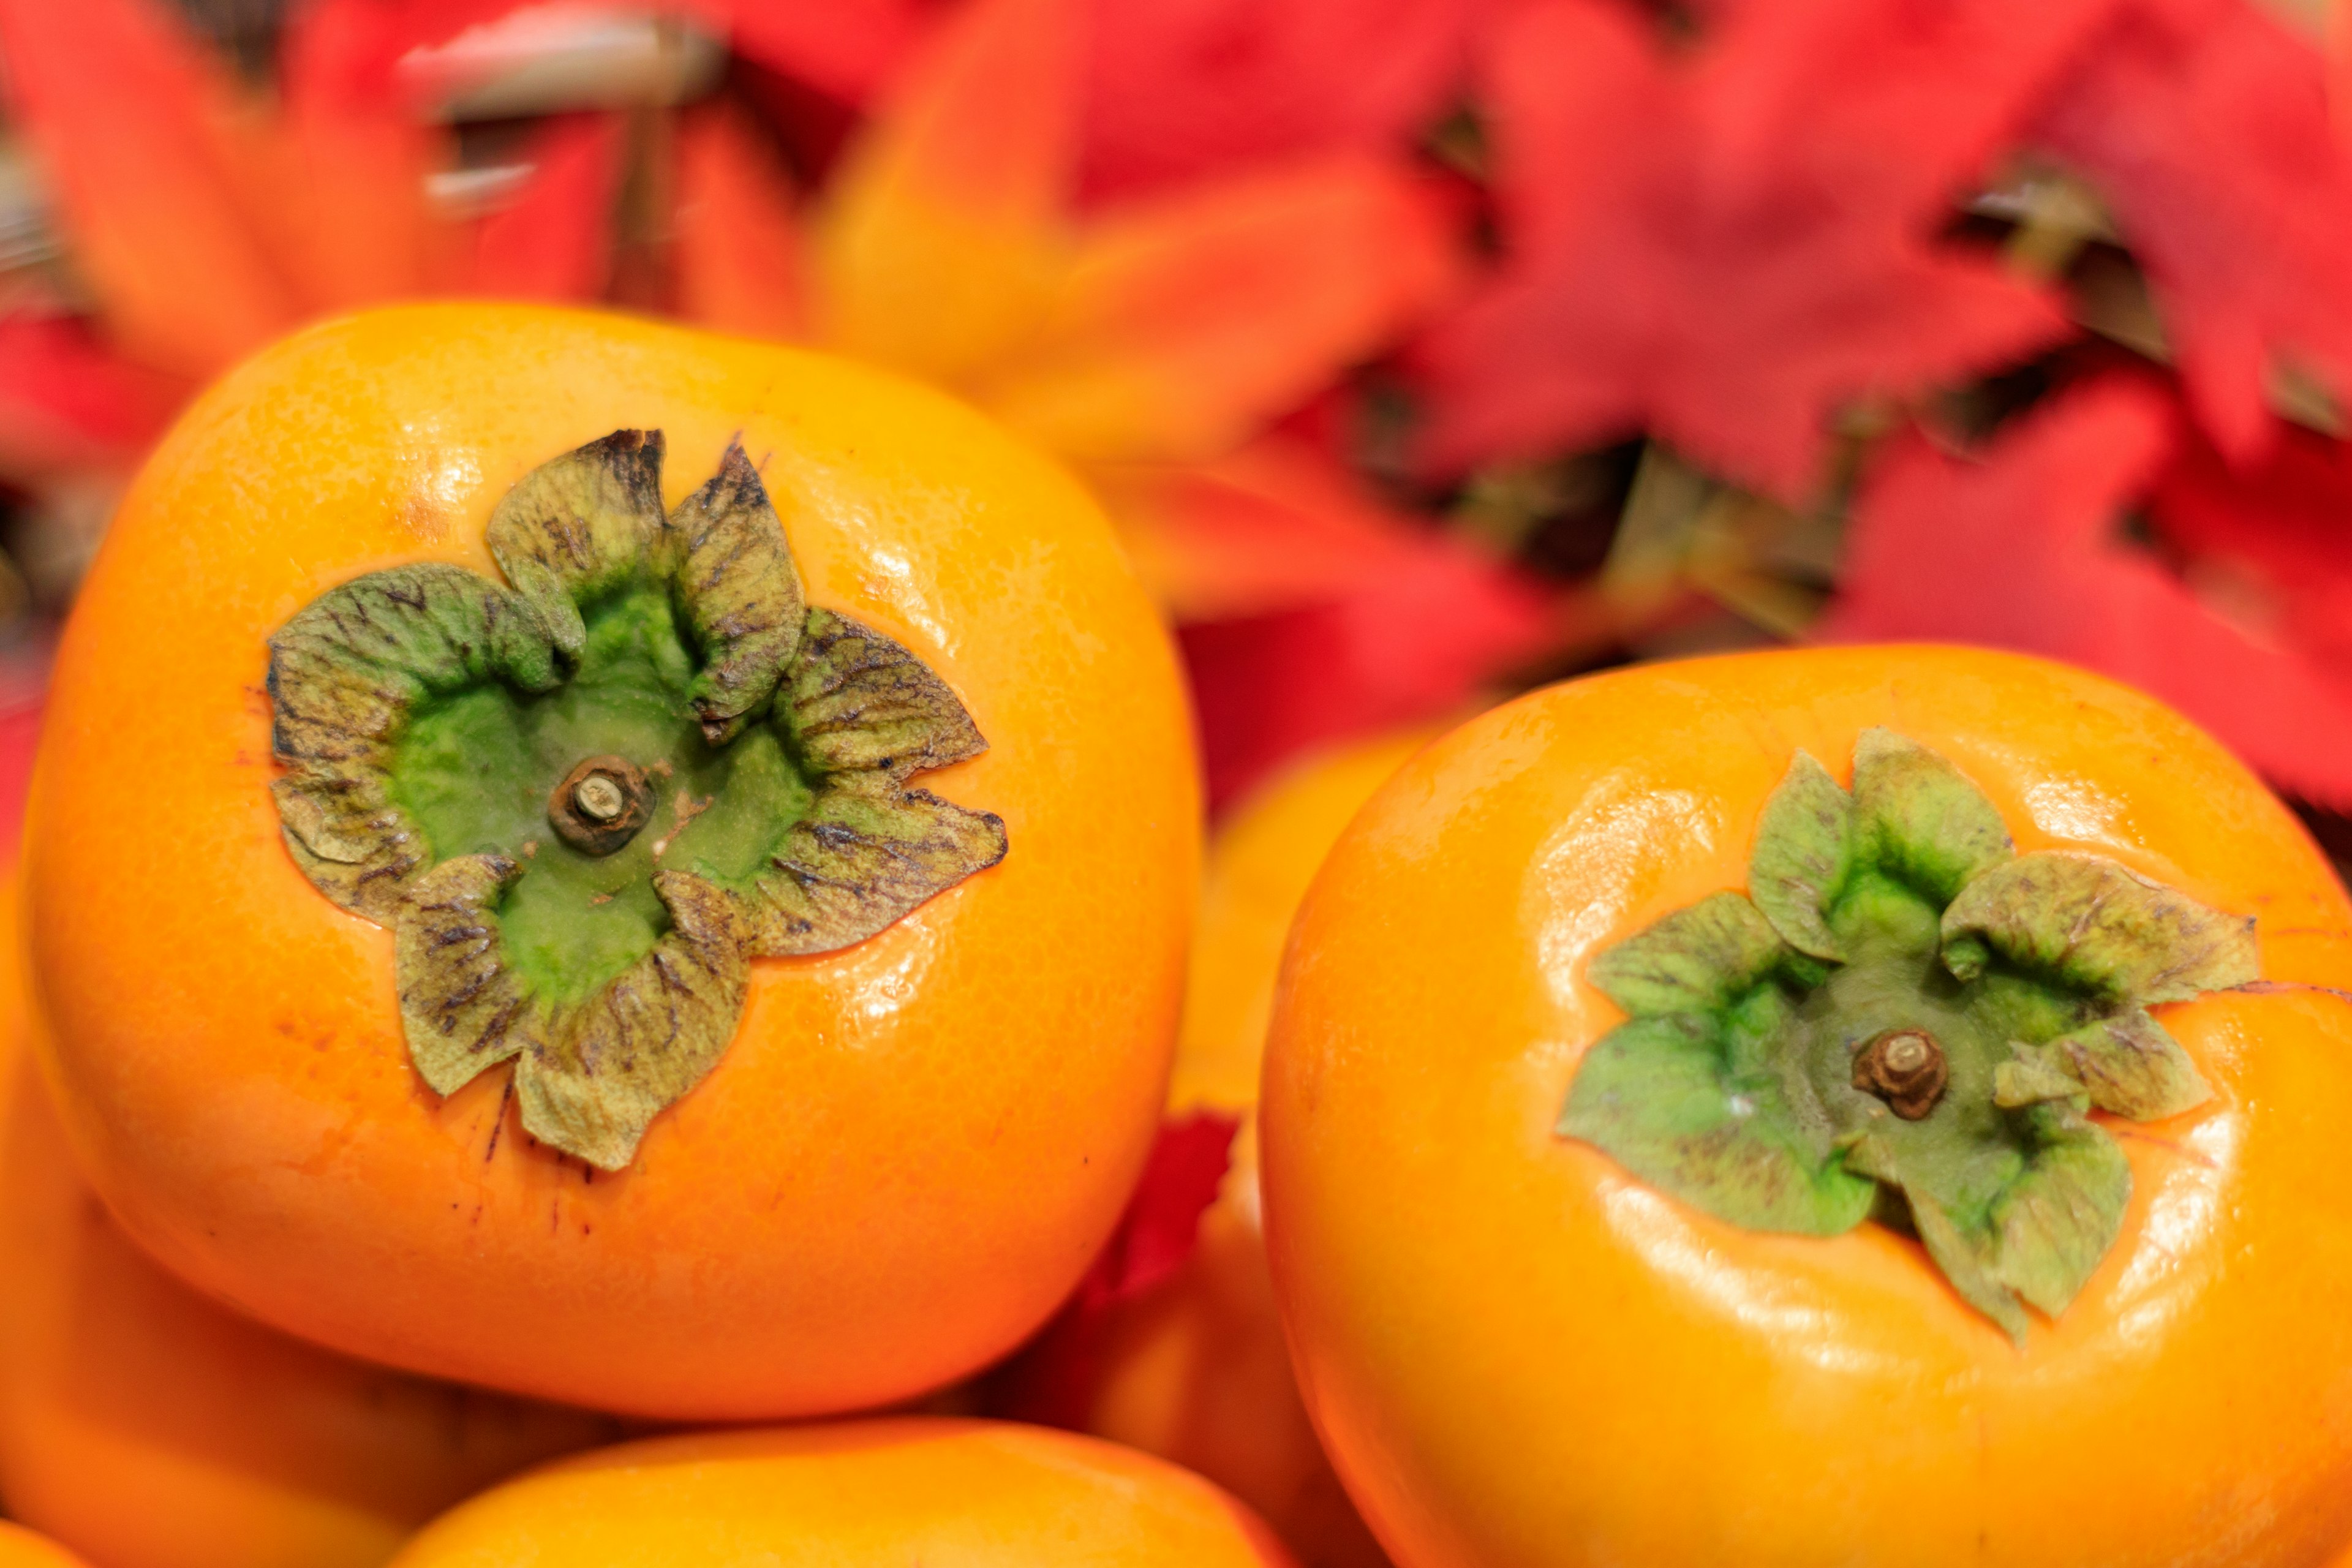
(1904, 1068)
(600, 804)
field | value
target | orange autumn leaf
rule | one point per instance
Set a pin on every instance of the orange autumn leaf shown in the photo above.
(1185, 322)
(1174, 328)
(942, 239)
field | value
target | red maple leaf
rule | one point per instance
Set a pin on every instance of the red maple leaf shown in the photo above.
(68, 405)
(2205, 126)
(1178, 88)
(2268, 539)
(1409, 625)
(1723, 249)
(2020, 548)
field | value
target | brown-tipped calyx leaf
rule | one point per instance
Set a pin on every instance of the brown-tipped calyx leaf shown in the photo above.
(559, 793)
(741, 593)
(1803, 853)
(595, 1080)
(579, 527)
(344, 674)
(864, 714)
(1910, 1013)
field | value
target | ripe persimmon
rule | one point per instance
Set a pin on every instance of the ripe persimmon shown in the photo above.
(20, 1548)
(1193, 1368)
(859, 1494)
(626, 866)
(1869, 1105)
(151, 1428)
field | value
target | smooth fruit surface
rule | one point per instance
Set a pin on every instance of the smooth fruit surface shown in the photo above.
(21, 1548)
(1195, 1369)
(910, 1147)
(151, 1428)
(874, 1494)
(1265, 853)
(1517, 1353)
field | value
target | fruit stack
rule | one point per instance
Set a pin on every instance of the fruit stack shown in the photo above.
(601, 956)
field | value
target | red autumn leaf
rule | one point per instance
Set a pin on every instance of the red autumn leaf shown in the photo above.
(847, 49)
(1274, 526)
(1187, 321)
(2205, 126)
(2272, 541)
(348, 214)
(1180, 89)
(2020, 548)
(555, 240)
(140, 139)
(68, 403)
(1053, 1380)
(1724, 248)
(736, 244)
(1420, 625)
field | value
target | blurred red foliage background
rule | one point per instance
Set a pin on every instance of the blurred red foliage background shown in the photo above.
(1421, 349)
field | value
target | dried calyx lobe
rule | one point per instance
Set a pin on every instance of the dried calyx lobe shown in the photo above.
(435, 728)
(1903, 1010)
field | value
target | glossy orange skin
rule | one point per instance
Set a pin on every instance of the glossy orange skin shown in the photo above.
(21, 1548)
(1518, 1354)
(1196, 1370)
(151, 1428)
(913, 1147)
(867, 1494)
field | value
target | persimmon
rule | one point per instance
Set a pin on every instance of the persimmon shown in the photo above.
(1872, 1105)
(151, 1428)
(20, 1548)
(953, 1493)
(649, 870)
(1194, 1368)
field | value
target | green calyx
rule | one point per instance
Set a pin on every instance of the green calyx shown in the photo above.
(584, 800)
(1903, 1018)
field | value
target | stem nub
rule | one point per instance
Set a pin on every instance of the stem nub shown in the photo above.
(600, 804)
(1905, 1068)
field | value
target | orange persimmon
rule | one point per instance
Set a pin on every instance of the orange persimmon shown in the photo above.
(1194, 1369)
(20, 1548)
(961, 1494)
(151, 1428)
(1668, 1124)
(487, 889)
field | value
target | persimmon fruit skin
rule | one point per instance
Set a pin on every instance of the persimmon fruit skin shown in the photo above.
(1195, 1370)
(911, 1148)
(20, 1548)
(1517, 1353)
(860, 1494)
(152, 1428)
